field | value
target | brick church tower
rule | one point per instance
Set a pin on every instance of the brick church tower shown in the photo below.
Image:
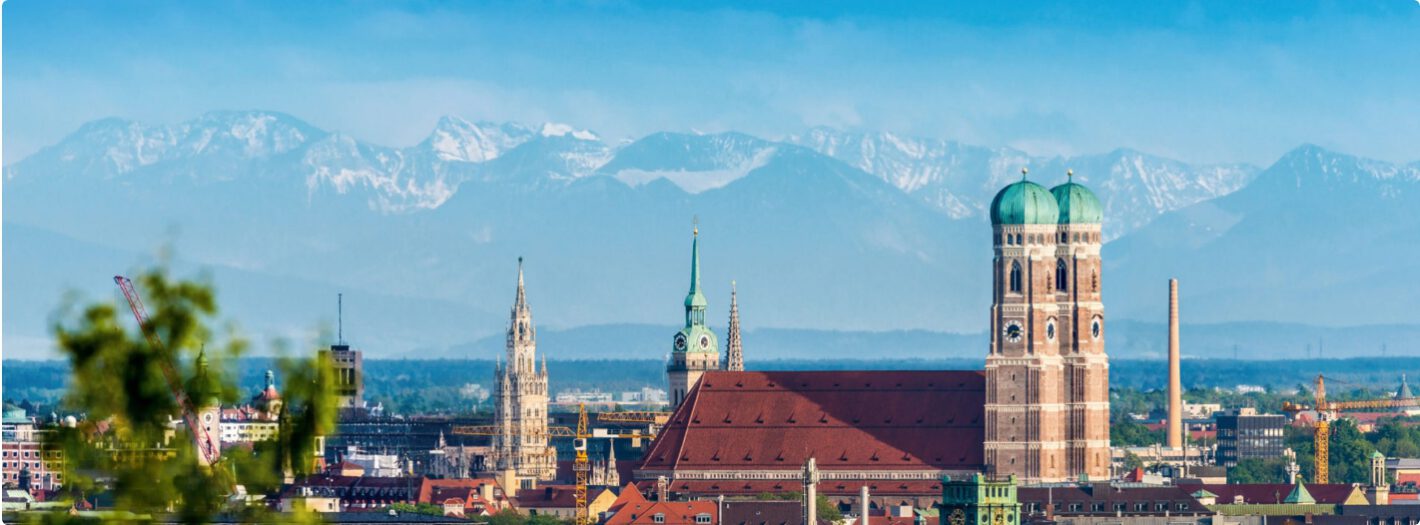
(1077, 282)
(1047, 378)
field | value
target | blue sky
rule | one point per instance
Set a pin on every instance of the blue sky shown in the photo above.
(1200, 81)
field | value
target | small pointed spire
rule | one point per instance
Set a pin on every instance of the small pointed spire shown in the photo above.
(1069, 175)
(522, 297)
(695, 260)
(1024, 171)
(695, 300)
(270, 379)
(734, 352)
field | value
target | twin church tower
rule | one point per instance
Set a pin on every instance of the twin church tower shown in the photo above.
(1047, 376)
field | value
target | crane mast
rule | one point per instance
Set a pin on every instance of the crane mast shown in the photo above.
(1326, 411)
(207, 453)
(581, 466)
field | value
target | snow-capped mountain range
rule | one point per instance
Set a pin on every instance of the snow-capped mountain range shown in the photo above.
(825, 230)
(956, 179)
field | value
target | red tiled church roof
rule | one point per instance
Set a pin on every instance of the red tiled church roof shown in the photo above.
(848, 420)
(1260, 493)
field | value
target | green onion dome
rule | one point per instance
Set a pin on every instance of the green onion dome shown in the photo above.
(1077, 204)
(1024, 202)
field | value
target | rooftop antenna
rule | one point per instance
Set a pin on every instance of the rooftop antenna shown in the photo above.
(340, 318)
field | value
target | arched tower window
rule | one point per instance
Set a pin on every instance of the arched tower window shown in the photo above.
(1015, 277)
(1062, 273)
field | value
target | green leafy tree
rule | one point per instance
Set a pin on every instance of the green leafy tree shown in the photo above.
(1253, 470)
(126, 446)
(1130, 433)
(428, 509)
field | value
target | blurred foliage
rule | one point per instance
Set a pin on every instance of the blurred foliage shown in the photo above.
(428, 509)
(513, 518)
(127, 449)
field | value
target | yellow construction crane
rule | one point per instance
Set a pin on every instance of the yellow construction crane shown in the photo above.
(492, 430)
(1326, 411)
(581, 466)
(653, 418)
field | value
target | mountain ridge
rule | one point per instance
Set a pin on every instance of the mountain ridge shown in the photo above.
(815, 242)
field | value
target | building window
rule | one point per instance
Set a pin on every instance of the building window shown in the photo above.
(659, 518)
(702, 519)
(1062, 274)
(1015, 277)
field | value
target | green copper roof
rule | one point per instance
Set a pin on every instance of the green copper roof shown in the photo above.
(695, 298)
(1023, 202)
(204, 387)
(1077, 204)
(1299, 495)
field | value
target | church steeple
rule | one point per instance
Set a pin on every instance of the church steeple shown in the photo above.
(734, 354)
(521, 302)
(695, 302)
(520, 415)
(695, 348)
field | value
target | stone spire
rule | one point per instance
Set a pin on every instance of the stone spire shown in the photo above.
(522, 300)
(520, 416)
(734, 353)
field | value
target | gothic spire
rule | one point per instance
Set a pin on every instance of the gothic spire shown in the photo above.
(734, 353)
(522, 300)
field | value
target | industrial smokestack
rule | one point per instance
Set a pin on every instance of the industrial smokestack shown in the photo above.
(1175, 433)
(863, 495)
(811, 478)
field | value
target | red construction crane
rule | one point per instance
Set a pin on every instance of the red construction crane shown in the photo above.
(207, 449)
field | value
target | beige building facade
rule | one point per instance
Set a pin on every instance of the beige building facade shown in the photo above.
(520, 446)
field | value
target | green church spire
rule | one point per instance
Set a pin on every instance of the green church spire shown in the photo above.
(694, 300)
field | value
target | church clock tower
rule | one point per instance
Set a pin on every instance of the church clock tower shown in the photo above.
(694, 348)
(1025, 417)
(1077, 292)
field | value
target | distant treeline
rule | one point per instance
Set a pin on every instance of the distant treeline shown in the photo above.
(446, 385)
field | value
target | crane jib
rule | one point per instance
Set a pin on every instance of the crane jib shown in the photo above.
(202, 440)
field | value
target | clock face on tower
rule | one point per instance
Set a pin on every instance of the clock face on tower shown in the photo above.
(1050, 329)
(1013, 331)
(1096, 326)
(680, 341)
(704, 342)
